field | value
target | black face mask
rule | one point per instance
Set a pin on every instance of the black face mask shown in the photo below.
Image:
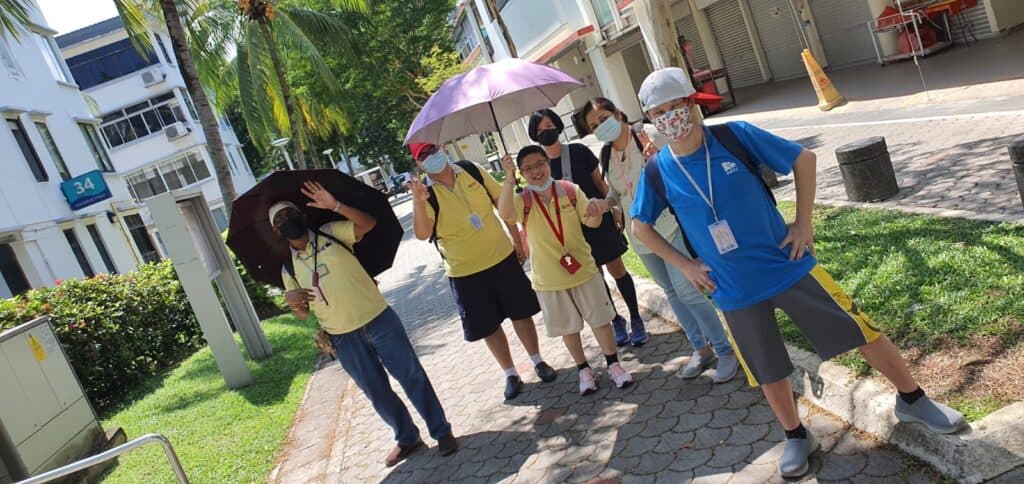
(294, 227)
(548, 137)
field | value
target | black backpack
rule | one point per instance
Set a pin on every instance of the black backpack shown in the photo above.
(725, 135)
(289, 264)
(474, 172)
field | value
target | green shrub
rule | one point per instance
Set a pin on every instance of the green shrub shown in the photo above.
(116, 329)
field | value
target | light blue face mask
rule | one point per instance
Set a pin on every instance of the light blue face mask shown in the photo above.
(435, 163)
(609, 130)
(542, 188)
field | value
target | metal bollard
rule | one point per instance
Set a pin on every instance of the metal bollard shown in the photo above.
(1016, 150)
(867, 170)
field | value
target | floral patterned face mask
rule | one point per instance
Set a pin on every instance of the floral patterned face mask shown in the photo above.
(675, 125)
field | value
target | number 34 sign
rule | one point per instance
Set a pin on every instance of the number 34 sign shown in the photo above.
(84, 190)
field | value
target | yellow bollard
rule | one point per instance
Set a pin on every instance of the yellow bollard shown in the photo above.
(828, 96)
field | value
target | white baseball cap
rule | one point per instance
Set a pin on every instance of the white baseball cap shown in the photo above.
(669, 84)
(277, 207)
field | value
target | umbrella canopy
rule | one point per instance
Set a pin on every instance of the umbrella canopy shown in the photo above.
(263, 252)
(488, 97)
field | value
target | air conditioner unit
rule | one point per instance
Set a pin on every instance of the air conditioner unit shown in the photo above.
(176, 130)
(152, 77)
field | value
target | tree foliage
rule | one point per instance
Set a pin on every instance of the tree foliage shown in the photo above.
(402, 49)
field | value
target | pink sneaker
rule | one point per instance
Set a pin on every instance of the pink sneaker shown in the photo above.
(588, 384)
(619, 376)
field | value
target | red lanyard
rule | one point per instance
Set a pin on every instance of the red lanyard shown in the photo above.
(560, 231)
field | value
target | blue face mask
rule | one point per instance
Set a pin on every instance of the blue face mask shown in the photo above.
(435, 163)
(542, 188)
(609, 130)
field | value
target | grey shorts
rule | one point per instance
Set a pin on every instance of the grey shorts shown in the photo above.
(826, 316)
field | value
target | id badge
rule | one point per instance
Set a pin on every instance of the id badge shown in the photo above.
(475, 220)
(725, 241)
(570, 263)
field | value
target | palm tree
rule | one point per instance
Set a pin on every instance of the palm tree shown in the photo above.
(13, 14)
(134, 15)
(266, 36)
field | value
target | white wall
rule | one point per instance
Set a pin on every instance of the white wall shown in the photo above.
(1008, 13)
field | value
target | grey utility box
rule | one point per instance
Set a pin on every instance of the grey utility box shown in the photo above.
(46, 421)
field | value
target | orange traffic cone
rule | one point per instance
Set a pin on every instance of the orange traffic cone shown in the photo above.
(828, 96)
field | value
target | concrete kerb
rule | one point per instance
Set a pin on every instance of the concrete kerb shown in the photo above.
(992, 447)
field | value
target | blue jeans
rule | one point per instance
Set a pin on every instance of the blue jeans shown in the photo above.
(695, 313)
(383, 344)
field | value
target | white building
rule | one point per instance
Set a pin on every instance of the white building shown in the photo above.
(148, 122)
(49, 136)
(56, 148)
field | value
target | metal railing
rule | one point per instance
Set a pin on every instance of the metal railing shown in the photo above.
(102, 457)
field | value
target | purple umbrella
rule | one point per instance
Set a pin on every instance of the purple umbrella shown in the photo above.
(488, 97)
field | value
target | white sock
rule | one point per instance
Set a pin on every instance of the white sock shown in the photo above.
(511, 372)
(536, 359)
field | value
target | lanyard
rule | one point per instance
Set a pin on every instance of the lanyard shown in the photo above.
(710, 197)
(459, 193)
(315, 270)
(560, 231)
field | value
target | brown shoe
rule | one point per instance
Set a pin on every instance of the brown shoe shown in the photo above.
(447, 445)
(399, 453)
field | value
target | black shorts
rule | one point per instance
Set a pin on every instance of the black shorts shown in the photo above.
(487, 298)
(606, 242)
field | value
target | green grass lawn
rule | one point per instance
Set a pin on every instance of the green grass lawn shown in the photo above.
(929, 282)
(221, 435)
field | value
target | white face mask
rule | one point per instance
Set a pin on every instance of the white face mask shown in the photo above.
(675, 125)
(608, 130)
(435, 163)
(542, 188)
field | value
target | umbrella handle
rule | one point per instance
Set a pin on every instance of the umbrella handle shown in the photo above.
(501, 136)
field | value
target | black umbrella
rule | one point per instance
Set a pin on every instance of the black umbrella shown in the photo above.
(263, 252)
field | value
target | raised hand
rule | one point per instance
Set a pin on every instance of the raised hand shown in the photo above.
(649, 148)
(509, 165)
(418, 189)
(299, 298)
(321, 198)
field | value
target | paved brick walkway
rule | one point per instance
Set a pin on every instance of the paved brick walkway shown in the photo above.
(662, 429)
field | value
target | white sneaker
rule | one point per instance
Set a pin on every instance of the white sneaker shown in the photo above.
(619, 376)
(588, 384)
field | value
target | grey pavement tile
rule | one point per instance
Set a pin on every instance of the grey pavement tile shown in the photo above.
(711, 476)
(637, 446)
(653, 463)
(728, 455)
(747, 434)
(659, 426)
(849, 444)
(692, 421)
(710, 403)
(708, 437)
(764, 453)
(743, 399)
(645, 412)
(671, 442)
(724, 417)
(837, 467)
(676, 408)
(690, 458)
(673, 477)
(585, 471)
(1012, 477)
(727, 388)
(695, 389)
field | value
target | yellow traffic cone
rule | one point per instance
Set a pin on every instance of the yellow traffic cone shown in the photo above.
(828, 96)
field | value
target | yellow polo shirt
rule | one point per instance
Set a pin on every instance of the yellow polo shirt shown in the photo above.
(352, 298)
(468, 250)
(545, 250)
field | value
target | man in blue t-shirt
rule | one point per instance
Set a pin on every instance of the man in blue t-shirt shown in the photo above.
(752, 262)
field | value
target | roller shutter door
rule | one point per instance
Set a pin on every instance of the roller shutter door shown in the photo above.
(687, 28)
(776, 26)
(842, 26)
(733, 42)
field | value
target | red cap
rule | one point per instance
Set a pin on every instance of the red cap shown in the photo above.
(705, 98)
(417, 148)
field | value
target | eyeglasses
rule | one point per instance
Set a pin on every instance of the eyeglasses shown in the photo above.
(533, 167)
(426, 152)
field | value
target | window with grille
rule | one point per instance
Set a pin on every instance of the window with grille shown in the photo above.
(142, 119)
